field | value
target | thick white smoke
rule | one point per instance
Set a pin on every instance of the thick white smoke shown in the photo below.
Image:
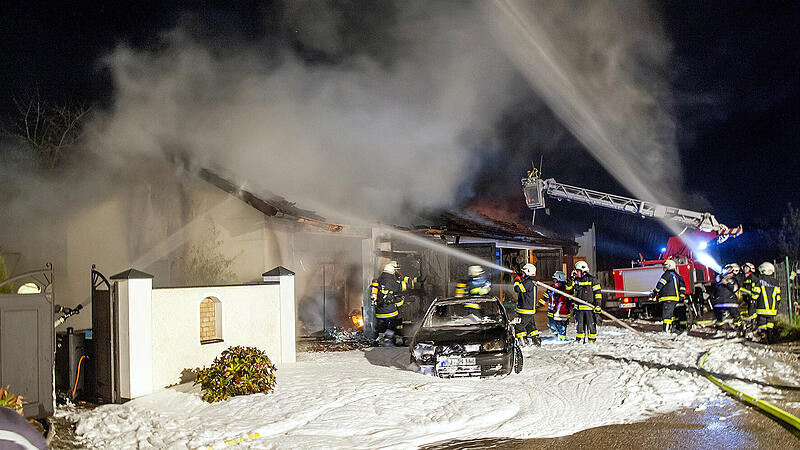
(362, 135)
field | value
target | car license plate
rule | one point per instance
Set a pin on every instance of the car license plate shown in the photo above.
(452, 362)
(627, 305)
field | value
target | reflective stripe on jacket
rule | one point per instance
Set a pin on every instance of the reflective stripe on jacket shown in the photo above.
(670, 287)
(526, 294)
(586, 288)
(387, 286)
(767, 294)
(473, 287)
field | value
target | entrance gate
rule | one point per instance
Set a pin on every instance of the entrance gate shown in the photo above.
(104, 314)
(27, 342)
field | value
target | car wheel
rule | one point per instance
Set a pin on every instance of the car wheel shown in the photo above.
(517, 360)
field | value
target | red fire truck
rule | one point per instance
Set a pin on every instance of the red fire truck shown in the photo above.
(632, 285)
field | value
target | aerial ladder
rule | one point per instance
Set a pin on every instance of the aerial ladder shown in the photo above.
(535, 189)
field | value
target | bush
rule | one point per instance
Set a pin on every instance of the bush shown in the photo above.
(10, 400)
(237, 371)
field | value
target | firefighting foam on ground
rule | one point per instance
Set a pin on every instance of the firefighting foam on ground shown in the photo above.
(339, 399)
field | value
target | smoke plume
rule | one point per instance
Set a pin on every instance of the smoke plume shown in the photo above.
(368, 131)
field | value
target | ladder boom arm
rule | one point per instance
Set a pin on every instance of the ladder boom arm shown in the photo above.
(535, 188)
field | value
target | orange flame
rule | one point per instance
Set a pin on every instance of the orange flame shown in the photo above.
(358, 321)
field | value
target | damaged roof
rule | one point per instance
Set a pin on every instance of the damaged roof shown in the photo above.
(268, 203)
(481, 226)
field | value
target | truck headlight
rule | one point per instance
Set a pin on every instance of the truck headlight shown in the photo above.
(493, 346)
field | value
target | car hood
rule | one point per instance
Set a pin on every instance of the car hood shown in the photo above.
(474, 334)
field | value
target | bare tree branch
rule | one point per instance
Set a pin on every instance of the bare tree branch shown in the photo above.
(49, 131)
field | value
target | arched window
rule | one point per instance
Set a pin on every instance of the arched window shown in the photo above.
(29, 288)
(210, 320)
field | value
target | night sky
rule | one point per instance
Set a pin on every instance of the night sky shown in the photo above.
(734, 77)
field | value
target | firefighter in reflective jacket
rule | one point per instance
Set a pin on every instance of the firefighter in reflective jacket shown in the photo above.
(748, 280)
(477, 284)
(558, 307)
(725, 297)
(383, 293)
(587, 288)
(767, 294)
(525, 287)
(669, 290)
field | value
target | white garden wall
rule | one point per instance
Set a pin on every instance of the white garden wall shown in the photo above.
(251, 316)
(159, 339)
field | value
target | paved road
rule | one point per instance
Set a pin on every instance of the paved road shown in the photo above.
(723, 425)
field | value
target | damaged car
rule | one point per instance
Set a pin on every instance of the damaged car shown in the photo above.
(466, 337)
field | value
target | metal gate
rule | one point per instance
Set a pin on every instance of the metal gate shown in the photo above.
(786, 271)
(27, 343)
(104, 314)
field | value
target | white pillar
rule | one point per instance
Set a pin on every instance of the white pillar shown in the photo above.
(135, 340)
(288, 338)
(285, 278)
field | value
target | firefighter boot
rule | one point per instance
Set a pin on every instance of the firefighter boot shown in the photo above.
(537, 341)
(388, 339)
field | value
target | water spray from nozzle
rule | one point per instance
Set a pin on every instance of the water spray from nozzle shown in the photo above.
(454, 252)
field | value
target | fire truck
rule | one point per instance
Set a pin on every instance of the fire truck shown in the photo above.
(632, 285)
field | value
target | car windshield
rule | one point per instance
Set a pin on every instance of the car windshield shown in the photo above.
(462, 313)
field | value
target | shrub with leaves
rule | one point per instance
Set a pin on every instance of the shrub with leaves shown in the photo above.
(237, 371)
(10, 400)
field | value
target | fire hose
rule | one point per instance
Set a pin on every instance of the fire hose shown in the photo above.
(610, 316)
(614, 291)
(767, 408)
(791, 422)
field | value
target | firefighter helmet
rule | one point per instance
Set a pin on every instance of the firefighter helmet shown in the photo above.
(391, 267)
(475, 271)
(733, 268)
(749, 266)
(582, 266)
(670, 265)
(766, 268)
(560, 276)
(529, 270)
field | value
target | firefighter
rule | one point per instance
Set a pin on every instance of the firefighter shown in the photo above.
(725, 297)
(767, 294)
(748, 279)
(558, 307)
(477, 284)
(525, 287)
(587, 288)
(383, 293)
(669, 290)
